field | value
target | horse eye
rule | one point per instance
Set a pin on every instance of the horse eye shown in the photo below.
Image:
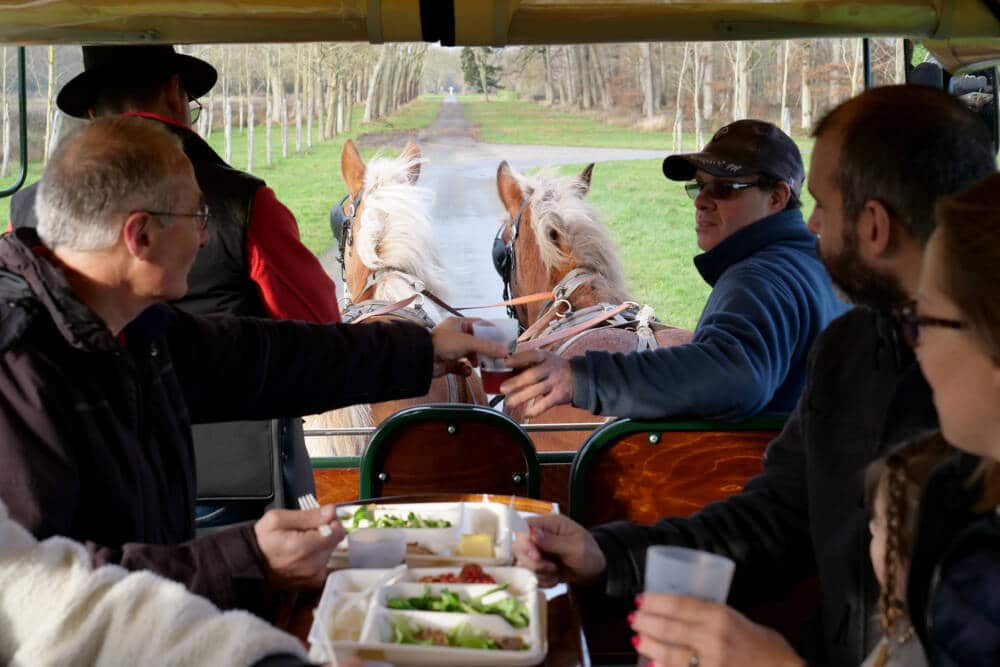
(554, 235)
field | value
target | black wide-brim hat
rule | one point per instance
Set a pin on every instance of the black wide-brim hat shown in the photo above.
(127, 66)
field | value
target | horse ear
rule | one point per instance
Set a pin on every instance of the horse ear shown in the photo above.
(411, 153)
(352, 168)
(584, 178)
(508, 189)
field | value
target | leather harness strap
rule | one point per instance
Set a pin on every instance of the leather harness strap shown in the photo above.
(516, 301)
(386, 309)
(572, 331)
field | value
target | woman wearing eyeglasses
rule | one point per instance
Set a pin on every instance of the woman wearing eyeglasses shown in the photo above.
(954, 327)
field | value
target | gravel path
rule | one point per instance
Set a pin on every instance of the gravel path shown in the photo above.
(462, 171)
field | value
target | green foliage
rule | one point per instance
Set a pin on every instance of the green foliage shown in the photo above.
(470, 69)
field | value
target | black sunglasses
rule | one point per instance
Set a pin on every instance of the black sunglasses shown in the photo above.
(909, 323)
(718, 190)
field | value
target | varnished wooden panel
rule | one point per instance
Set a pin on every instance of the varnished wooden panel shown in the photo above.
(555, 484)
(336, 485)
(425, 458)
(638, 481)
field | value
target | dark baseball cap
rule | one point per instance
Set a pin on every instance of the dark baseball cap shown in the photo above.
(743, 148)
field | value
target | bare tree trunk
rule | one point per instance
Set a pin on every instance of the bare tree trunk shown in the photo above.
(786, 117)
(806, 97)
(836, 58)
(353, 88)
(227, 109)
(269, 98)
(857, 67)
(900, 61)
(331, 102)
(708, 99)
(583, 62)
(571, 82)
(550, 91)
(50, 103)
(250, 110)
(5, 104)
(698, 71)
(297, 92)
(480, 57)
(342, 84)
(309, 82)
(646, 77)
(282, 100)
(371, 102)
(741, 88)
(663, 90)
(679, 108)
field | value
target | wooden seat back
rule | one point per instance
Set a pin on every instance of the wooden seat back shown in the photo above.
(456, 448)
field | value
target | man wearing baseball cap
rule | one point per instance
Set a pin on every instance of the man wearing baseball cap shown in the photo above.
(771, 296)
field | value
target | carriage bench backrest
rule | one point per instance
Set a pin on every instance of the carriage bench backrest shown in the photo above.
(449, 448)
(643, 471)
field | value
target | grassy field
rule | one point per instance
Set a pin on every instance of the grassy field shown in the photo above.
(650, 218)
(309, 181)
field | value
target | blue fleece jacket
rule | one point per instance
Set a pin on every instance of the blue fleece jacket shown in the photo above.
(771, 296)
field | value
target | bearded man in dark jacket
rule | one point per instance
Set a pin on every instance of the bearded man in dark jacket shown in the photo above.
(100, 381)
(880, 163)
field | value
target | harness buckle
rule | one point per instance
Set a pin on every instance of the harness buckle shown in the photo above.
(562, 302)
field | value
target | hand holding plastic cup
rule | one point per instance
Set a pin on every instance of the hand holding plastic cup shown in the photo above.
(493, 369)
(376, 547)
(683, 571)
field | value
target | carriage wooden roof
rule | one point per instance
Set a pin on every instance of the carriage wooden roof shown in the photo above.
(958, 31)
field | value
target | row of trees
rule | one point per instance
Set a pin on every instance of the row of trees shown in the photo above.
(699, 83)
(307, 90)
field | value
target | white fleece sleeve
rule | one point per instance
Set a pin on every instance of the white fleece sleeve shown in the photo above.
(56, 609)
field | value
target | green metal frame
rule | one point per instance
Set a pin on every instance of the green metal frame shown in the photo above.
(610, 433)
(448, 414)
(22, 108)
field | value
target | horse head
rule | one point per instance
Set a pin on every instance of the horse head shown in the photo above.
(385, 226)
(549, 231)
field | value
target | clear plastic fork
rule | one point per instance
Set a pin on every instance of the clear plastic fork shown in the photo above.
(309, 502)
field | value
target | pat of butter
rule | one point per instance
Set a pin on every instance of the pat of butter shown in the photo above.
(475, 546)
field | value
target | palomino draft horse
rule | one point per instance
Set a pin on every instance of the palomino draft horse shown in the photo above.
(553, 241)
(388, 257)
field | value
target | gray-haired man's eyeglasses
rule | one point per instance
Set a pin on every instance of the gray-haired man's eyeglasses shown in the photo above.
(201, 215)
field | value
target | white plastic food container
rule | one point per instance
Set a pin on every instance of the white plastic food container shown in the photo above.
(335, 626)
(489, 518)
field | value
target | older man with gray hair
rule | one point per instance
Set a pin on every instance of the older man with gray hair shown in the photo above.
(100, 381)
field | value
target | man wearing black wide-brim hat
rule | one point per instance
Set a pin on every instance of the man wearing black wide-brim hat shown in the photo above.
(255, 263)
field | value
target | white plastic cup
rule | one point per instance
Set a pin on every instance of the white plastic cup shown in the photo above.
(493, 369)
(376, 547)
(683, 571)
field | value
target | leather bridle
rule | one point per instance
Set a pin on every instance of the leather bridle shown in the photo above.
(504, 259)
(342, 226)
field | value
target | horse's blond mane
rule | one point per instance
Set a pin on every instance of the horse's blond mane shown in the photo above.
(395, 230)
(557, 203)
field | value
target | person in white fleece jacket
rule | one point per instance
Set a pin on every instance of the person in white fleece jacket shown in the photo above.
(57, 609)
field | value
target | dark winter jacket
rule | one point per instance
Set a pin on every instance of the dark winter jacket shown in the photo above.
(805, 515)
(771, 297)
(95, 433)
(955, 571)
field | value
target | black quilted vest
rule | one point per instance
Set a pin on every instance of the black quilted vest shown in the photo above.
(219, 281)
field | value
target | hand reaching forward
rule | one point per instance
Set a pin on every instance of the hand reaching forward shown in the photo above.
(455, 347)
(559, 549)
(546, 381)
(295, 552)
